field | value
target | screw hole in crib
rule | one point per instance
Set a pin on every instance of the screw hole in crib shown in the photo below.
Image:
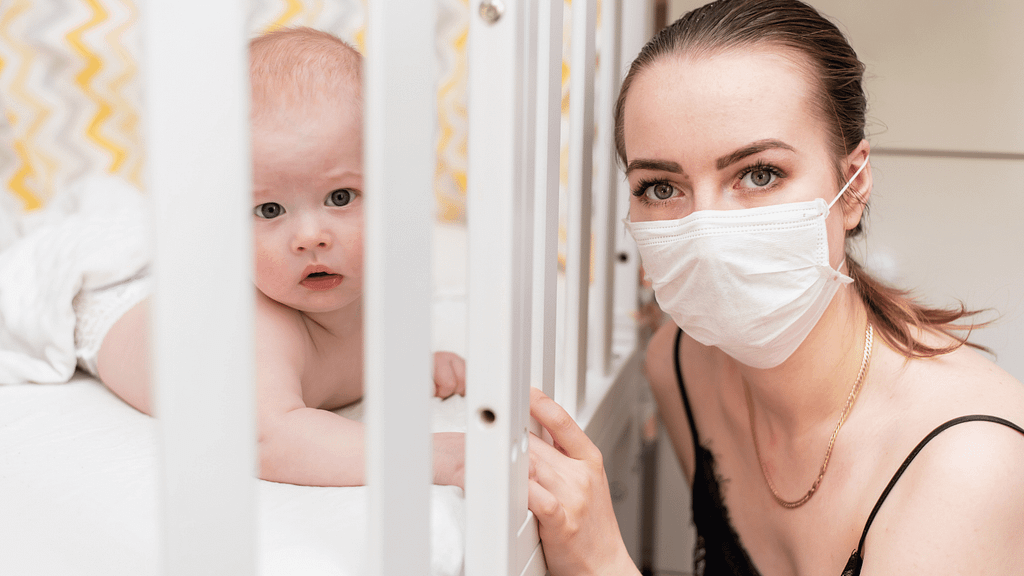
(487, 416)
(623, 257)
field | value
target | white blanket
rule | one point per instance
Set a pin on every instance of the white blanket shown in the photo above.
(78, 495)
(91, 235)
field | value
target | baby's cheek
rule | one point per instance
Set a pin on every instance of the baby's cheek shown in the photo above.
(353, 248)
(268, 268)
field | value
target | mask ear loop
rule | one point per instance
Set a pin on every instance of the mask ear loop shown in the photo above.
(848, 183)
(836, 199)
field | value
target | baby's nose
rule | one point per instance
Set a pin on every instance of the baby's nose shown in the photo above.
(312, 236)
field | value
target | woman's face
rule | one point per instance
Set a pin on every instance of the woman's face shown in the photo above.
(737, 129)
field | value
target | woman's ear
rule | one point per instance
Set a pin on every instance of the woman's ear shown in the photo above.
(856, 198)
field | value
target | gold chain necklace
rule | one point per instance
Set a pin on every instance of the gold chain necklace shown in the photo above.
(868, 337)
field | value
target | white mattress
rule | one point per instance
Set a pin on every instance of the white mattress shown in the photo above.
(78, 494)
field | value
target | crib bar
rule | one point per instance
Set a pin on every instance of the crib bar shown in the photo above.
(606, 191)
(400, 92)
(572, 393)
(546, 174)
(499, 215)
(636, 28)
(199, 174)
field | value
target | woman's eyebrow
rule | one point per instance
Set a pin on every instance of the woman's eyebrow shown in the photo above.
(749, 150)
(659, 165)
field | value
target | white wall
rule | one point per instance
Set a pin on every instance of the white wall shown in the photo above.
(945, 82)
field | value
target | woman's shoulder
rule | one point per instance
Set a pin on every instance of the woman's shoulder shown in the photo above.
(966, 380)
(660, 357)
(958, 507)
(961, 492)
(668, 345)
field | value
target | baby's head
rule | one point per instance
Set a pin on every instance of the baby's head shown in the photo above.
(307, 169)
(298, 71)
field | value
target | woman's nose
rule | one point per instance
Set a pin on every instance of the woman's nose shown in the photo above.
(705, 197)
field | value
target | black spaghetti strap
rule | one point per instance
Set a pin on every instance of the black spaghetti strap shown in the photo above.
(682, 387)
(973, 418)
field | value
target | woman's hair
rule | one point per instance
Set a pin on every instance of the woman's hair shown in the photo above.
(839, 103)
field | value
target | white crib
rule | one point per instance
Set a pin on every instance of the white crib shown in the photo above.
(572, 334)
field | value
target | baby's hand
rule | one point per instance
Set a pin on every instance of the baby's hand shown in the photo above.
(450, 458)
(449, 374)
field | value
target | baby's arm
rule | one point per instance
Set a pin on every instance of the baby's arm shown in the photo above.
(309, 446)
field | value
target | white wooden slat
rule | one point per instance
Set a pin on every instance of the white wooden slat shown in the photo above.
(499, 214)
(399, 101)
(572, 394)
(605, 193)
(523, 525)
(547, 149)
(636, 27)
(199, 176)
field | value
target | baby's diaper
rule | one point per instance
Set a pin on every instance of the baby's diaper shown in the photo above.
(98, 309)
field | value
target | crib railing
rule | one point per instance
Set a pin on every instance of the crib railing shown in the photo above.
(203, 300)
(196, 84)
(399, 104)
(514, 112)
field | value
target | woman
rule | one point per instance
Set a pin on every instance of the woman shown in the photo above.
(792, 385)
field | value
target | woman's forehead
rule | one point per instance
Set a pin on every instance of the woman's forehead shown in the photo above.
(720, 100)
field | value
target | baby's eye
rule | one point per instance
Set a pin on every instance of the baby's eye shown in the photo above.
(339, 197)
(660, 191)
(268, 210)
(759, 178)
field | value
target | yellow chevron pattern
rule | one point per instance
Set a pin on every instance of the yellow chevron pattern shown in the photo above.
(70, 89)
(85, 79)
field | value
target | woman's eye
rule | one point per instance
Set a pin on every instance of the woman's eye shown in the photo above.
(339, 197)
(759, 178)
(660, 191)
(269, 210)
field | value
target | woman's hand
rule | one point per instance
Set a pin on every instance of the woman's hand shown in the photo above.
(449, 374)
(569, 495)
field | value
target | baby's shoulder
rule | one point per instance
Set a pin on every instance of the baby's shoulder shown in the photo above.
(278, 326)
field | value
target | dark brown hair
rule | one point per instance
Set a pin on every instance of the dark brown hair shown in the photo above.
(841, 105)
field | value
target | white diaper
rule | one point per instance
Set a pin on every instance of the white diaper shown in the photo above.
(97, 310)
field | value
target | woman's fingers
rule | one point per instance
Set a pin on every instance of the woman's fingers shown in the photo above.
(563, 429)
(568, 493)
(545, 506)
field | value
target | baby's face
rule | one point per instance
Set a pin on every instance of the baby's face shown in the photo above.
(308, 207)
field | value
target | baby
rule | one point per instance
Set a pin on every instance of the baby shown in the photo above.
(308, 235)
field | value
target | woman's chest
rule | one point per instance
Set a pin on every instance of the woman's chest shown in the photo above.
(813, 539)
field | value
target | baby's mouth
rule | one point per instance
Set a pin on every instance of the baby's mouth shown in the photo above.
(321, 281)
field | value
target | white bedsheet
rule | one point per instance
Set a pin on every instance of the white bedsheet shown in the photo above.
(78, 495)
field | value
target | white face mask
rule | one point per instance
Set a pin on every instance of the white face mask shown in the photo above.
(752, 282)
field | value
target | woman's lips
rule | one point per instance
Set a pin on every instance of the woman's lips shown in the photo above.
(322, 281)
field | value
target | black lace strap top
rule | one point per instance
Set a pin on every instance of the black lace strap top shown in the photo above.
(718, 550)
